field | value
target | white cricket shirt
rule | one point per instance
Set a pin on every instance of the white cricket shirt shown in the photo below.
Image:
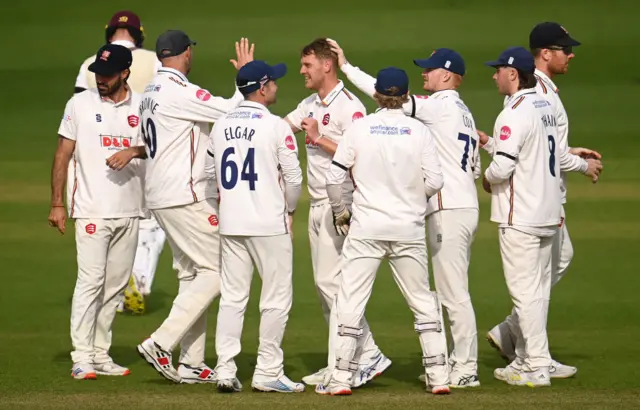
(454, 129)
(525, 170)
(335, 113)
(253, 149)
(101, 128)
(143, 68)
(175, 116)
(395, 165)
(568, 162)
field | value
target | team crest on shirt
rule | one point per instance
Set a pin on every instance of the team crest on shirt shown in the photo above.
(90, 229)
(326, 119)
(505, 133)
(133, 120)
(213, 220)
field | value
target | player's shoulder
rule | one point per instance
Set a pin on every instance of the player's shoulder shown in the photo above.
(349, 99)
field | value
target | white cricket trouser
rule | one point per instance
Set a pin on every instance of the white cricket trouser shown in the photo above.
(192, 232)
(105, 251)
(526, 263)
(326, 251)
(451, 234)
(561, 256)
(273, 258)
(409, 264)
(151, 240)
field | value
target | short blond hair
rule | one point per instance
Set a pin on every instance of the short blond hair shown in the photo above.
(391, 102)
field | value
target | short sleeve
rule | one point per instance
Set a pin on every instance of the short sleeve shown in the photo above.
(68, 126)
(354, 112)
(81, 80)
(296, 116)
(509, 134)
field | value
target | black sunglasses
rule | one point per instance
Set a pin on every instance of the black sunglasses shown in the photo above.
(565, 49)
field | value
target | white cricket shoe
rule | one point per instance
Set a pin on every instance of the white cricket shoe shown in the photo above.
(159, 358)
(196, 375)
(83, 371)
(316, 378)
(281, 385)
(463, 381)
(519, 377)
(500, 339)
(333, 389)
(110, 369)
(229, 385)
(558, 370)
(368, 372)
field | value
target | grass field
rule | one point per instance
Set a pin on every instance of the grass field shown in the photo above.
(593, 324)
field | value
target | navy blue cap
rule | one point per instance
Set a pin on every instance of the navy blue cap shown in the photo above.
(516, 57)
(549, 34)
(111, 59)
(255, 74)
(392, 77)
(443, 58)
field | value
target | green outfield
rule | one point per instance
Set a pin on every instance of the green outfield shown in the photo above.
(593, 324)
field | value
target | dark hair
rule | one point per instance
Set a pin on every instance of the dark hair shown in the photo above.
(320, 48)
(137, 35)
(526, 80)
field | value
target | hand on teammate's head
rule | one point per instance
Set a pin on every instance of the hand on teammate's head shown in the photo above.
(335, 47)
(244, 53)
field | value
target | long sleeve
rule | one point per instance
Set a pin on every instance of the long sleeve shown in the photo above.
(337, 173)
(289, 166)
(198, 105)
(431, 168)
(512, 133)
(363, 81)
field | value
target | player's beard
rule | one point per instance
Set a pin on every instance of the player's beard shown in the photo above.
(109, 90)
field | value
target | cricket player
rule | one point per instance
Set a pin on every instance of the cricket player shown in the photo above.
(175, 116)
(324, 117)
(395, 165)
(252, 150)
(453, 212)
(125, 29)
(524, 181)
(552, 48)
(104, 203)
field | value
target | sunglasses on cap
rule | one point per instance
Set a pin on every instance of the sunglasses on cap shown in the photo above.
(565, 49)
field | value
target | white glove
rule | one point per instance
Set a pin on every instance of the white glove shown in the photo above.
(341, 221)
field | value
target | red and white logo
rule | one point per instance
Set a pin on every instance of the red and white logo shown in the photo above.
(90, 228)
(105, 55)
(133, 120)
(112, 141)
(505, 133)
(289, 143)
(203, 95)
(213, 220)
(325, 119)
(422, 97)
(357, 115)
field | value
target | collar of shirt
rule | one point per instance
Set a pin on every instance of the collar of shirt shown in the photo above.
(252, 104)
(545, 78)
(332, 95)
(444, 93)
(508, 100)
(171, 71)
(390, 111)
(126, 43)
(108, 100)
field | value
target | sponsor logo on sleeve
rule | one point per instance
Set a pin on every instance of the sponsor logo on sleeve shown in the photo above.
(203, 95)
(289, 143)
(357, 115)
(505, 133)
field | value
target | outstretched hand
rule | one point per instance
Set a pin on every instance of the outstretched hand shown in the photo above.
(244, 53)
